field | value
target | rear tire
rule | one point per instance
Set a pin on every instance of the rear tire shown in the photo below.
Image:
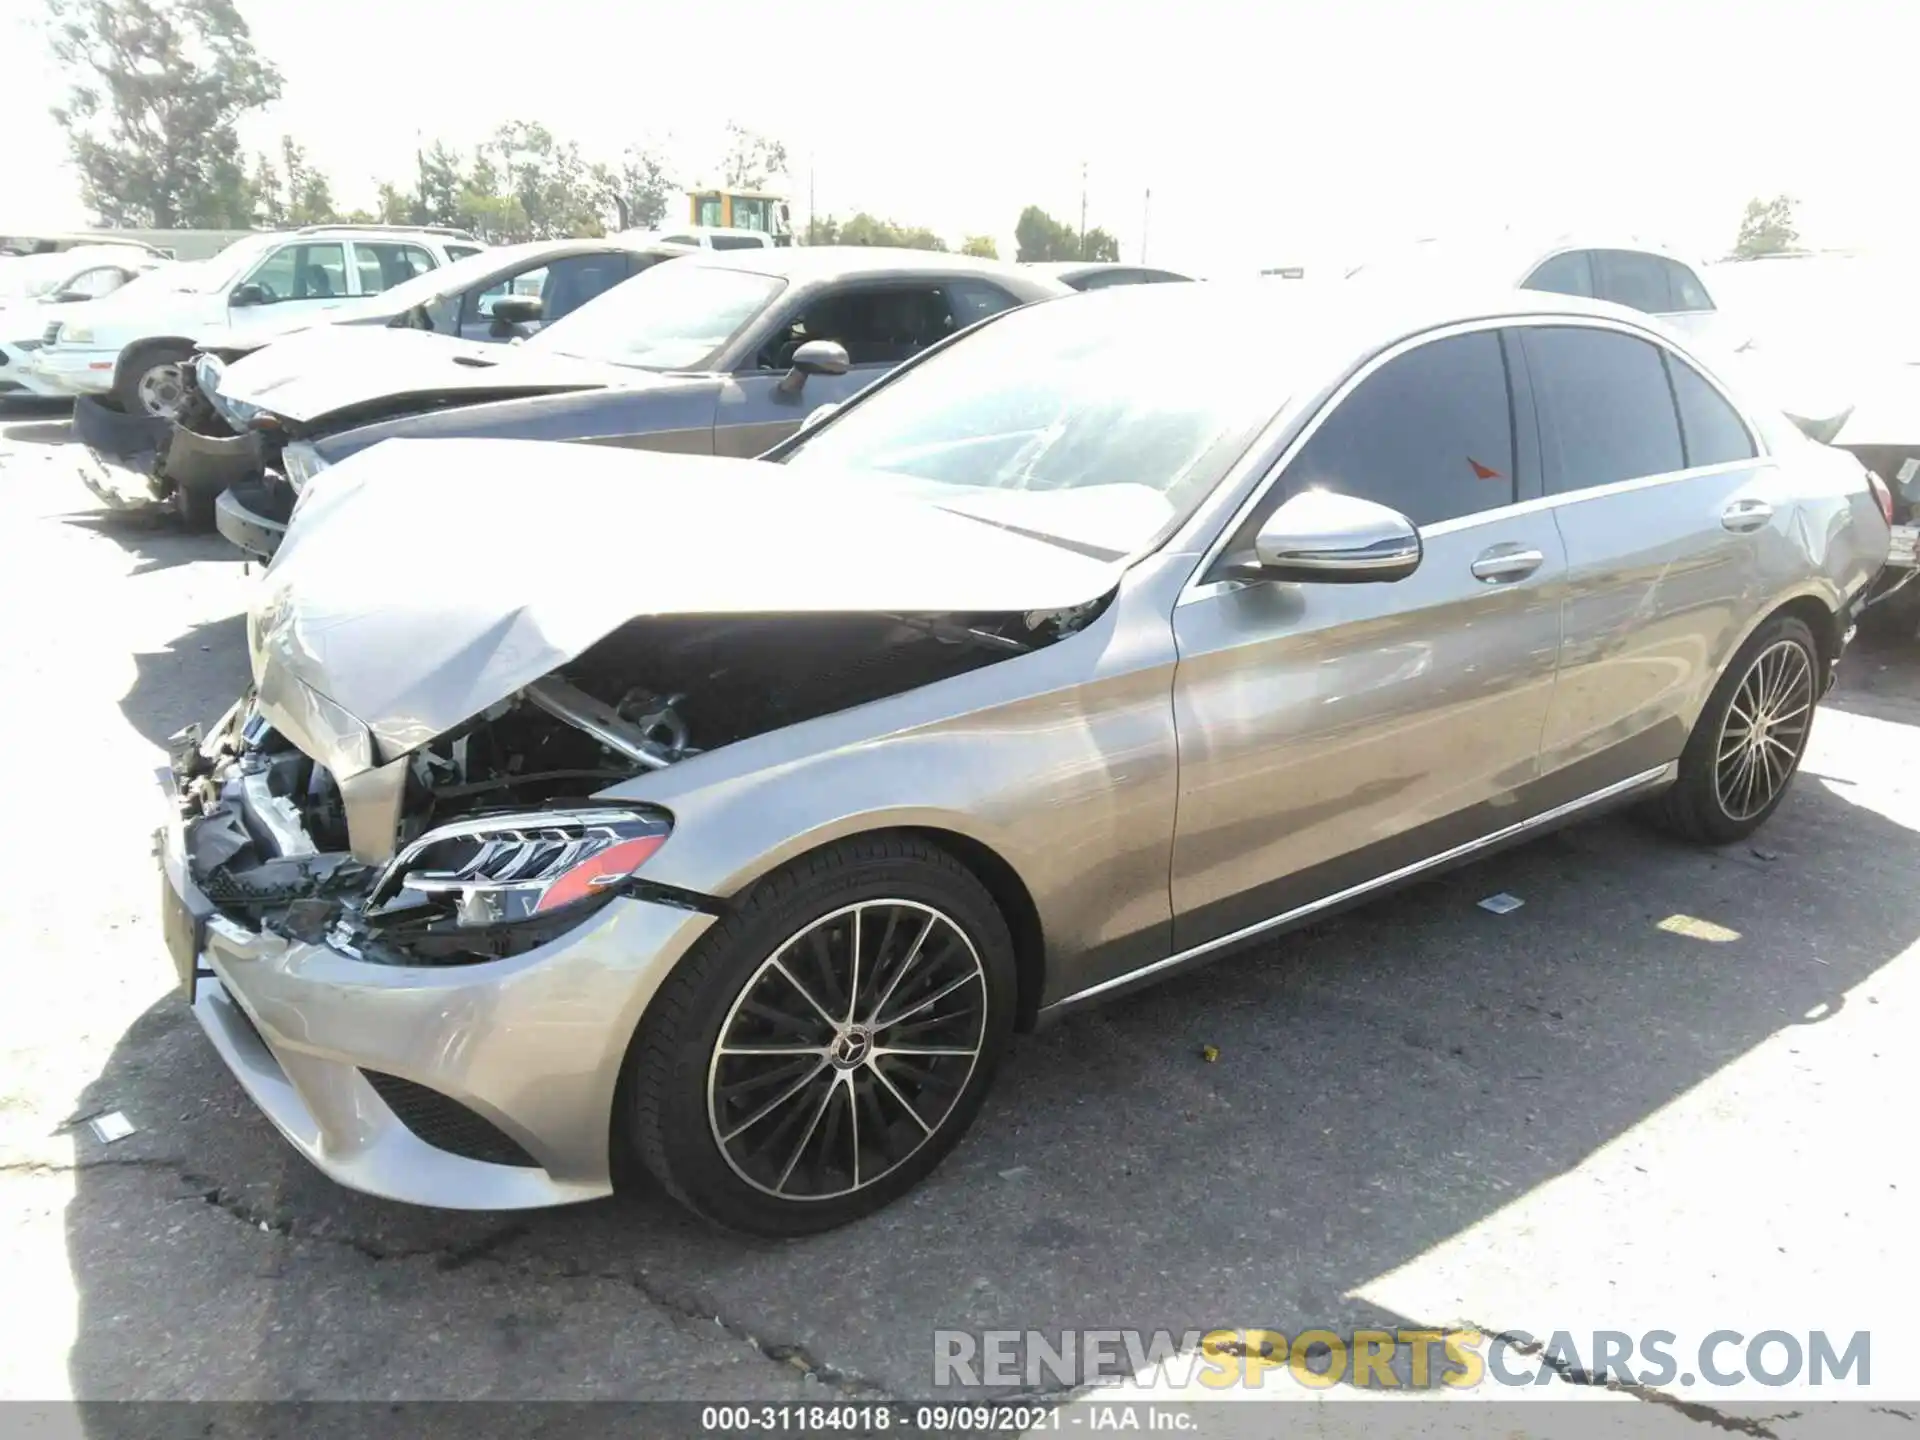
(780, 1087)
(1747, 744)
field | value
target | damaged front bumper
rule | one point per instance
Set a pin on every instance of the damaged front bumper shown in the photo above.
(252, 514)
(486, 1085)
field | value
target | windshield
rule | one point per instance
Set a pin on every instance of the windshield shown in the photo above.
(1084, 420)
(224, 270)
(674, 316)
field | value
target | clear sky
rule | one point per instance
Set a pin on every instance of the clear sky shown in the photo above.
(1267, 133)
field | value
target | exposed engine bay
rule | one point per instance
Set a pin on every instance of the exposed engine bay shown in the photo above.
(497, 818)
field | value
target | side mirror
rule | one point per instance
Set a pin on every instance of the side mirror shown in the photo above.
(817, 414)
(1318, 537)
(816, 357)
(247, 295)
(511, 311)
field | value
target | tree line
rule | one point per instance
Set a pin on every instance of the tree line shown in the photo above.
(157, 90)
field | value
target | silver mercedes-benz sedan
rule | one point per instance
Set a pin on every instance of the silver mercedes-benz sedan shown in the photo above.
(728, 816)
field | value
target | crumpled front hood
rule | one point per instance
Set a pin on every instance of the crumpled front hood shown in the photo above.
(424, 580)
(315, 373)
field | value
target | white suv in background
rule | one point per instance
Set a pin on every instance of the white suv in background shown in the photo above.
(1627, 271)
(135, 345)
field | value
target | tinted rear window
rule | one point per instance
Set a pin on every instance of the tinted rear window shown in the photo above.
(1606, 410)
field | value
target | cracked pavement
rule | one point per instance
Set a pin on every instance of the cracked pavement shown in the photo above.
(1563, 1118)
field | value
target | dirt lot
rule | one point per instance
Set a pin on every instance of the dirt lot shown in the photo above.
(1563, 1118)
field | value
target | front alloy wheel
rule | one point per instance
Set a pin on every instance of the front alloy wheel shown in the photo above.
(825, 1043)
(847, 1050)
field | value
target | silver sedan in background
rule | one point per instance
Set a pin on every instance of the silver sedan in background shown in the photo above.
(729, 816)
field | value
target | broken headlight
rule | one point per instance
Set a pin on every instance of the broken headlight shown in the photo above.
(517, 869)
(208, 371)
(300, 462)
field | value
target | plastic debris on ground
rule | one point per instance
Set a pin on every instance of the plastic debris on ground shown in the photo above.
(1502, 903)
(1210, 1053)
(111, 1127)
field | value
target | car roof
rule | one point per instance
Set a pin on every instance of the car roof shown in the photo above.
(1337, 326)
(1063, 269)
(813, 264)
(1498, 253)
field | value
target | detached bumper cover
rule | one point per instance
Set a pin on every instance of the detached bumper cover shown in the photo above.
(206, 465)
(115, 433)
(532, 1045)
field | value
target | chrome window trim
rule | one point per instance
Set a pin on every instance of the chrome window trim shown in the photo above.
(1646, 779)
(1194, 590)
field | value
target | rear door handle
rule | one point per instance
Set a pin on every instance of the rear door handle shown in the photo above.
(1506, 562)
(1748, 514)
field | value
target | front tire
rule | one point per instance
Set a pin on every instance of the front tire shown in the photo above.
(1748, 742)
(825, 1045)
(156, 380)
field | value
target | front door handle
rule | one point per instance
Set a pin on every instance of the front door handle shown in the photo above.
(1506, 562)
(1747, 514)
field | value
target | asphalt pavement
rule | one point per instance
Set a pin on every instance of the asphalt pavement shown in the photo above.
(1672, 1091)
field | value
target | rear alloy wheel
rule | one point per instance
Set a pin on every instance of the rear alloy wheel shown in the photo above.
(822, 1049)
(1749, 739)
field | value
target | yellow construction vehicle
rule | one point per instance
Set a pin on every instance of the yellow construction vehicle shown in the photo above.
(742, 210)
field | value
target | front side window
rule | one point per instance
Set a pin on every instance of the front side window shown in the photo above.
(1632, 278)
(571, 283)
(384, 265)
(302, 272)
(736, 242)
(672, 317)
(878, 325)
(1606, 409)
(480, 303)
(1429, 434)
(1568, 274)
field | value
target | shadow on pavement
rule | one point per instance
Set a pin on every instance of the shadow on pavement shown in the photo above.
(29, 420)
(1384, 1081)
(154, 538)
(171, 687)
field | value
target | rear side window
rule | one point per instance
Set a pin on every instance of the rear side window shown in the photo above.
(1430, 433)
(1568, 274)
(1684, 290)
(1632, 278)
(735, 242)
(460, 252)
(384, 265)
(1606, 410)
(1711, 429)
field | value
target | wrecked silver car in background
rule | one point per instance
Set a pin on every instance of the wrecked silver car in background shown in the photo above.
(485, 299)
(720, 353)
